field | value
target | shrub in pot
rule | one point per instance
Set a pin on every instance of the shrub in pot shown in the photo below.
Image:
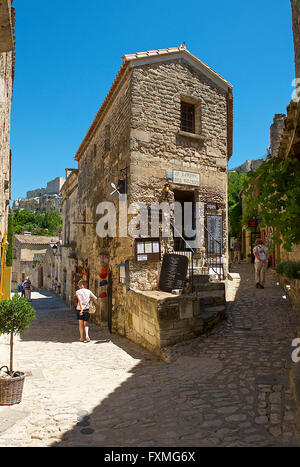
(15, 316)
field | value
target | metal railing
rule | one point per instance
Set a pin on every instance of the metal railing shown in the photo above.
(214, 255)
(182, 247)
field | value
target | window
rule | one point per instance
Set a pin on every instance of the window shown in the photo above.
(187, 117)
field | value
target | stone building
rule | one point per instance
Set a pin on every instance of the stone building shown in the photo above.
(284, 142)
(29, 260)
(162, 134)
(7, 58)
(42, 199)
(69, 261)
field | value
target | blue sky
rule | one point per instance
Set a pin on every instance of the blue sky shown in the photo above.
(68, 53)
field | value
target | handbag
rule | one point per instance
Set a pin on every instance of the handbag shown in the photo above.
(92, 308)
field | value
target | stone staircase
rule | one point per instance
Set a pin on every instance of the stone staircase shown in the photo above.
(211, 298)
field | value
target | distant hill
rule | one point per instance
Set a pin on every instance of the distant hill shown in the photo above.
(249, 165)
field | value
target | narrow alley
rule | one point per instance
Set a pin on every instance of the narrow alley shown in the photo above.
(228, 388)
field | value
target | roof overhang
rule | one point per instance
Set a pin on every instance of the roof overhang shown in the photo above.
(163, 55)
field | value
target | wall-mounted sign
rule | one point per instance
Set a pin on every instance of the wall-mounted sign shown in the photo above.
(147, 249)
(173, 272)
(212, 206)
(215, 234)
(186, 178)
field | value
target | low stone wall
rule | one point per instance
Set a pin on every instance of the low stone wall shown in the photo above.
(292, 288)
(158, 319)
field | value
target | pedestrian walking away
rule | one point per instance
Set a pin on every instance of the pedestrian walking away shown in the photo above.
(260, 252)
(27, 289)
(237, 251)
(84, 296)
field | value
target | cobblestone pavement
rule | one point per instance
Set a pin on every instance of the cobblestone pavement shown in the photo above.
(229, 388)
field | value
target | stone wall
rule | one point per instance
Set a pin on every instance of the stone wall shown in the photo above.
(275, 133)
(106, 154)
(28, 258)
(6, 83)
(157, 319)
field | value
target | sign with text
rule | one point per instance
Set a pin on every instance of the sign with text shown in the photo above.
(215, 235)
(186, 178)
(173, 272)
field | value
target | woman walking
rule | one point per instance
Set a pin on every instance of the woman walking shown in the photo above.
(84, 296)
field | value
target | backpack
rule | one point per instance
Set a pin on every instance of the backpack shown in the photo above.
(20, 288)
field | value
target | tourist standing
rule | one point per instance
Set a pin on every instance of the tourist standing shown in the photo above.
(27, 288)
(260, 252)
(84, 296)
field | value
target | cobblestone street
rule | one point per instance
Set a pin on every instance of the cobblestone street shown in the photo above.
(229, 388)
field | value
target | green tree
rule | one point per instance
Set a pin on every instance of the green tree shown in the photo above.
(15, 316)
(273, 192)
(48, 223)
(236, 182)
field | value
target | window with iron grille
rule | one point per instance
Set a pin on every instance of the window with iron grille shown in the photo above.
(187, 117)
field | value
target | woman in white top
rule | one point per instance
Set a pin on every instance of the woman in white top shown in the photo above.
(260, 252)
(83, 296)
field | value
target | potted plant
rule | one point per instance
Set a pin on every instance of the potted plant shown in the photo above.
(15, 315)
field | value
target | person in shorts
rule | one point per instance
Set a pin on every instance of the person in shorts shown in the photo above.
(83, 296)
(260, 252)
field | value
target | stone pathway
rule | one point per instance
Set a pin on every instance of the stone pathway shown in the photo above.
(229, 388)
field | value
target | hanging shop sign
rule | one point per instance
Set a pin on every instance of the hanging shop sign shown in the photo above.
(252, 223)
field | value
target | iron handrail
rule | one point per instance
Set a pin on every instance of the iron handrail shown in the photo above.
(214, 255)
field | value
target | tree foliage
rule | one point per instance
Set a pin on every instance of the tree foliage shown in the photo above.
(273, 192)
(235, 185)
(48, 223)
(15, 316)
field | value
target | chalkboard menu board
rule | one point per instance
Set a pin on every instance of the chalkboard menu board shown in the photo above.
(215, 235)
(173, 272)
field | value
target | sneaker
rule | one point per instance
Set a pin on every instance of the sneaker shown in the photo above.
(87, 339)
(261, 286)
(258, 285)
(81, 339)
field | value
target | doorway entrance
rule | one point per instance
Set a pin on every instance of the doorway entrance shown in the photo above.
(40, 278)
(185, 242)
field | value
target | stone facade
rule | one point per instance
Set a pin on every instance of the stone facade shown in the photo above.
(137, 137)
(69, 206)
(7, 54)
(42, 199)
(29, 253)
(276, 130)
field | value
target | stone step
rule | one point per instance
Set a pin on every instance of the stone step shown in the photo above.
(211, 312)
(211, 298)
(200, 278)
(209, 286)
